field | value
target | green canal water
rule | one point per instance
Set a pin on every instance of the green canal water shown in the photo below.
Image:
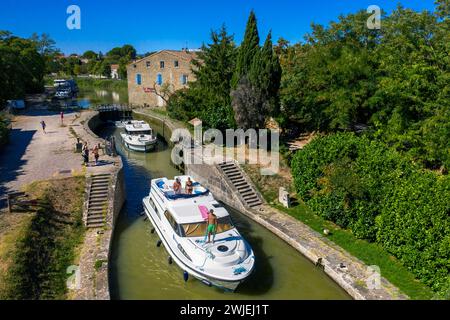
(139, 269)
(88, 97)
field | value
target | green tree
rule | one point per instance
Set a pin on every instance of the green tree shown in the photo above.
(22, 68)
(44, 44)
(265, 74)
(91, 55)
(213, 69)
(247, 50)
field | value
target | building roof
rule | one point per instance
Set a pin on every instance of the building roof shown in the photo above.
(114, 66)
(181, 54)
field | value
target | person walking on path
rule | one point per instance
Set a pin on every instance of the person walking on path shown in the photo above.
(85, 153)
(43, 125)
(62, 117)
(95, 151)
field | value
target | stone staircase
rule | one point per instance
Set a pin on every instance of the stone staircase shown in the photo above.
(98, 201)
(245, 189)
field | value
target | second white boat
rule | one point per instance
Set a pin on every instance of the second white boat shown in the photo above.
(139, 136)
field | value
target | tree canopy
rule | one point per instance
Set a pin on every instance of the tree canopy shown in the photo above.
(395, 81)
(22, 67)
(208, 97)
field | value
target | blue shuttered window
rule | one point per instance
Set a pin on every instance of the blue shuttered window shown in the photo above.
(159, 79)
(138, 79)
(184, 79)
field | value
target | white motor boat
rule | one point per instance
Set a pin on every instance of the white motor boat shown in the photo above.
(180, 221)
(138, 136)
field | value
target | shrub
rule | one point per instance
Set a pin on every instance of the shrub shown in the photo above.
(4, 131)
(382, 196)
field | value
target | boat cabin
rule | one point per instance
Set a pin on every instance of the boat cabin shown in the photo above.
(138, 128)
(188, 213)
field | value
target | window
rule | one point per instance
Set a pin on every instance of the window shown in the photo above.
(161, 64)
(184, 79)
(159, 79)
(138, 79)
(176, 64)
(147, 64)
(194, 230)
(152, 203)
(134, 66)
(173, 223)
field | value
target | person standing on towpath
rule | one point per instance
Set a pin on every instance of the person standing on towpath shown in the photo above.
(43, 125)
(85, 153)
(95, 151)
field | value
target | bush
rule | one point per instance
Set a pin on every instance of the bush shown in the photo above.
(4, 131)
(414, 225)
(381, 196)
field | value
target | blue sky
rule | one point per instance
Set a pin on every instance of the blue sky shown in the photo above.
(153, 25)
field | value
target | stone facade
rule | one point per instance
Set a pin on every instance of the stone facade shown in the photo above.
(153, 78)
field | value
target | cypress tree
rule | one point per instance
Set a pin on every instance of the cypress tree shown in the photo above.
(265, 73)
(248, 49)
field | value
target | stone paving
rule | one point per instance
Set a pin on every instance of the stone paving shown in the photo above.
(360, 281)
(33, 155)
(94, 257)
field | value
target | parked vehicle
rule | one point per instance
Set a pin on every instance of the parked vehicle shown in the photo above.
(16, 104)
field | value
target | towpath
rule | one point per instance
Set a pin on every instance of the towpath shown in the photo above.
(32, 155)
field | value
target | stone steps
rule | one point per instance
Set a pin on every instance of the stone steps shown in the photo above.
(98, 201)
(234, 174)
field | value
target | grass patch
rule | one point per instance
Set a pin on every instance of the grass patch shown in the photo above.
(369, 253)
(106, 84)
(47, 245)
(12, 227)
(98, 264)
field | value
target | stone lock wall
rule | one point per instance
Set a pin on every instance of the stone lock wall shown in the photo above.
(212, 178)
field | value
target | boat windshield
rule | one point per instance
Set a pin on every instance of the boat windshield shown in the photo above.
(138, 133)
(194, 230)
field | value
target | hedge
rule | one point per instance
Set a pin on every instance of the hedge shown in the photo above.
(4, 131)
(381, 196)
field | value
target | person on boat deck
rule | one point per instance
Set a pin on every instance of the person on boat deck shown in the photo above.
(212, 225)
(177, 186)
(189, 186)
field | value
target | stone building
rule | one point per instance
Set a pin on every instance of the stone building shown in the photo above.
(152, 79)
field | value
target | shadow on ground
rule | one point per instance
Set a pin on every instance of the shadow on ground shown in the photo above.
(11, 161)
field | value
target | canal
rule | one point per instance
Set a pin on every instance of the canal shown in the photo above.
(139, 269)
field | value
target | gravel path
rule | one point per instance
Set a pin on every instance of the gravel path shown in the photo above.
(32, 155)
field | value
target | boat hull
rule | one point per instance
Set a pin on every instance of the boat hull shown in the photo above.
(147, 147)
(205, 279)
